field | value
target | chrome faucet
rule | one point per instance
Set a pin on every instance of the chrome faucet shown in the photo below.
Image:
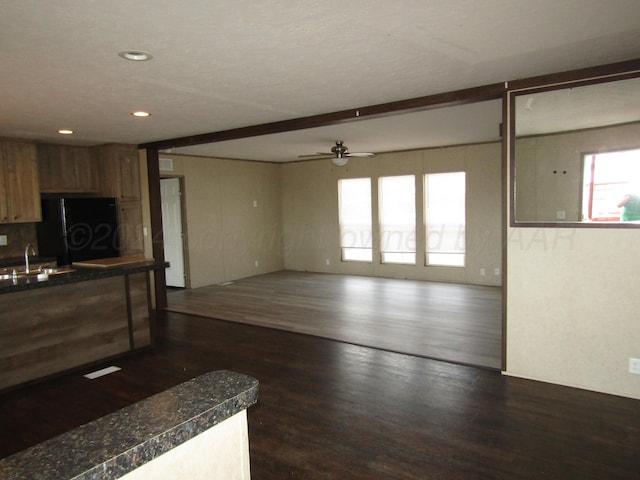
(26, 256)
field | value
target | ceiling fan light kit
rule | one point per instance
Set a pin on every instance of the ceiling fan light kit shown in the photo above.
(339, 154)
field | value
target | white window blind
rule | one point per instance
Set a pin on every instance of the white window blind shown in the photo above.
(445, 219)
(397, 204)
(354, 203)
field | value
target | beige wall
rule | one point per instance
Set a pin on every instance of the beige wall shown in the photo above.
(226, 233)
(310, 212)
(572, 307)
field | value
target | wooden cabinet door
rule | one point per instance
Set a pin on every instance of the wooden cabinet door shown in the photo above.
(119, 171)
(56, 168)
(131, 229)
(85, 170)
(129, 174)
(66, 169)
(21, 182)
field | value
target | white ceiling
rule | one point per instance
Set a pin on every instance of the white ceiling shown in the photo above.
(222, 65)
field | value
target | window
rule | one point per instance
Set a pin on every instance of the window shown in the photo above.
(354, 205)
(445, 218)
(608, 179)
(397, 203)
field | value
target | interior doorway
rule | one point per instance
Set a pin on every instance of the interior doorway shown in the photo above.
(173, 231)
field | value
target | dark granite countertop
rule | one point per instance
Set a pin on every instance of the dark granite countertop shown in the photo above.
(79, 274)
(126, 439)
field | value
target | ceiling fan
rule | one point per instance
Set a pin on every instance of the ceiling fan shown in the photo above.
(339, 154)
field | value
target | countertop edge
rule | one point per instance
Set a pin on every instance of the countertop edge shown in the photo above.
(81, 274)
(122, 441)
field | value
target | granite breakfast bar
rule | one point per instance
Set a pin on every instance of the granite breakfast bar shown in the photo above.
(195, 430)
(75, 316)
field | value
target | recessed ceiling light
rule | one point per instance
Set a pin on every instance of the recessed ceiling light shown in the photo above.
(65, 131)
(141, 114)
(135, 55)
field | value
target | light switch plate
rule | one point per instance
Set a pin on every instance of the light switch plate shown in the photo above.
(3, 240)
(634, 365)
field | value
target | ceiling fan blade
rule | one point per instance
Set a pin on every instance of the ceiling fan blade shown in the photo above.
(315, 157)
(359, 154)
(317, 154)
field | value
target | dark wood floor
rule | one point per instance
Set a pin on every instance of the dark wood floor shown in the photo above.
(446, 321)
(331, 410)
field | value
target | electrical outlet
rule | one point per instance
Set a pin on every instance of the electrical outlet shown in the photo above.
(327, 261)
(483, 272)
(496, 271)
(3, 240)
(256, 263)
(634, 365)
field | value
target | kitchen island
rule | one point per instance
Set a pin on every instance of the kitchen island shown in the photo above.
(72, 317)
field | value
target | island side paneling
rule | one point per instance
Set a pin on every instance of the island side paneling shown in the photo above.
(49, 330)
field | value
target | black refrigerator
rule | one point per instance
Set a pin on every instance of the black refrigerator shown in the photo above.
(78, 229)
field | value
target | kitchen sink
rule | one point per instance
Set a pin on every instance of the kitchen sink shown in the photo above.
(39, 274)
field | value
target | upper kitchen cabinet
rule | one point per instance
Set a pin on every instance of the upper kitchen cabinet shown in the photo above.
(119, 176)
(67, 169)
(19, 182)
(119, 169)
(131, 229)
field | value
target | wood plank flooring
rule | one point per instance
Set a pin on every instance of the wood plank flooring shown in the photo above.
(330, 410)
(453, 322)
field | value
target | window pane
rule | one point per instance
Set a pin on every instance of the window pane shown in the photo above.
(446, 259)
(397, 201)
(608, 179)
(357, 254)
(445, 218)
(398, 257)
(354, 204)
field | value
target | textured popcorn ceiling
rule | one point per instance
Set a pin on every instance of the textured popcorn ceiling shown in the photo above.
(225, 64)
